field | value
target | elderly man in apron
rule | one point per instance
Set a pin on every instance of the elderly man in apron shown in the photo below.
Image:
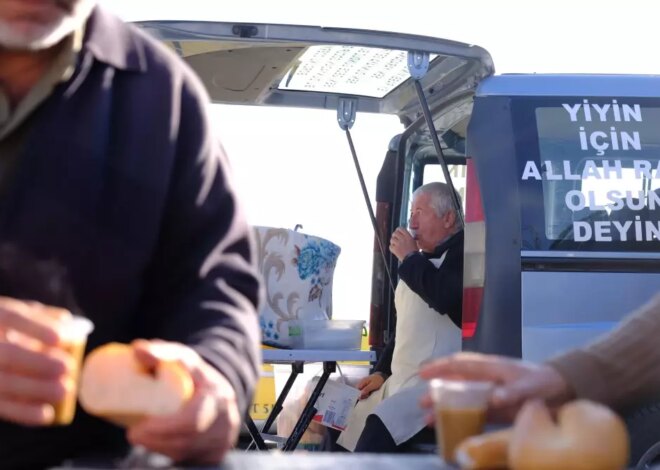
(428, 301)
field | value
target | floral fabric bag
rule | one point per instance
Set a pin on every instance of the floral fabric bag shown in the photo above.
(297, 270)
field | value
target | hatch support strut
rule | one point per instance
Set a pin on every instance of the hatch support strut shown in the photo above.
(418, 65)
(346, 112)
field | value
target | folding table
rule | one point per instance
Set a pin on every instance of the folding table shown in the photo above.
(297, 359)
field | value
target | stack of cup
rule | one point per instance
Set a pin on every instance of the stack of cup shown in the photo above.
(460, 412)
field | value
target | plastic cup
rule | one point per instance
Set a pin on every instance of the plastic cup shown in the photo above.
(412, 232)
(74, 332)
(460, 412)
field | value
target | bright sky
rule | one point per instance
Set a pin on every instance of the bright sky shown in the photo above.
(294, 167)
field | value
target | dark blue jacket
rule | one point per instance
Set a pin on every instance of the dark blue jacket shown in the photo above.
(121, 182)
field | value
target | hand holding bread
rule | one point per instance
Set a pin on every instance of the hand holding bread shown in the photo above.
(169, 398)
(114, 385)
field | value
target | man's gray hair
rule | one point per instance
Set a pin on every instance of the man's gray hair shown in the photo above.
(441, 200)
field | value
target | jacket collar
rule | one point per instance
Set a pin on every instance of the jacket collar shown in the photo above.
(113, 42)
(453, 240)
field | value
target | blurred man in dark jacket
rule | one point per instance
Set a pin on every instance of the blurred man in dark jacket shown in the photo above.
(108, 169)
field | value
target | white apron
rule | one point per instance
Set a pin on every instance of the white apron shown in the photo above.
(421, 334)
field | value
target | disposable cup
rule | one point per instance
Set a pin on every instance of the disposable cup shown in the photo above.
(460, 412)
(73, 333)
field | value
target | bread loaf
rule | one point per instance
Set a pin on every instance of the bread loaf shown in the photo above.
(486, 451)
(586, 436)
(116, 387)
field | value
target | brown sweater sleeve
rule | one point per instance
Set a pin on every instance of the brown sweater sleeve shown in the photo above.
(622, 367)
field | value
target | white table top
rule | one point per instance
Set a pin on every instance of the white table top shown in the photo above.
(331, 461)
(275, 460)
(273, 356)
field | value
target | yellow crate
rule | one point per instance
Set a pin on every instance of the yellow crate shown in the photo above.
(264, 396)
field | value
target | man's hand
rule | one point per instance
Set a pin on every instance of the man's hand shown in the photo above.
(206, 427)
(402, 243)
(370, 384)
(33, 370)
(517, 381)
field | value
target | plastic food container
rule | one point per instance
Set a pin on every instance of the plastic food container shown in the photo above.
(326, 334)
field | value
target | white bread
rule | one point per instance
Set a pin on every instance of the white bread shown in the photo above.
(116, 387)
(486, 451)
(587, 436)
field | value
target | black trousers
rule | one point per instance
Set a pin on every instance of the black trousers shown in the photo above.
(375, 438)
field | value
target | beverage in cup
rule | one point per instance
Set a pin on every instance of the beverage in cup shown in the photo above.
(74, 332)
(460, 412)
(412, 232)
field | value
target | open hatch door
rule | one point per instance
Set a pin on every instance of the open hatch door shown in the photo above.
(312, 67)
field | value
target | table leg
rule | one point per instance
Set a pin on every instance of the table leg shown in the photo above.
(309, 411)
(296, 368)
(254, 433)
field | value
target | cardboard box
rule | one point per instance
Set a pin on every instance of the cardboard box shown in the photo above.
(335, 404)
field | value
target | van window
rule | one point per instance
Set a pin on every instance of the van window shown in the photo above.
(589, 172)
(434, 173)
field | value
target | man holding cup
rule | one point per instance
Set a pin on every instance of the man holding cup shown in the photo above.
(620, 369)
(428, 301)
(108, 169)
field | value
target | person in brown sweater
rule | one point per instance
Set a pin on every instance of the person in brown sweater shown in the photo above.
(619, 369)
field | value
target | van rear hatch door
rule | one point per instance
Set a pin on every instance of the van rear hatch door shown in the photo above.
(313, 67)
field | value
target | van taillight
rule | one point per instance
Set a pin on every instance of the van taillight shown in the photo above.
(475, 249)
(471, 305)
